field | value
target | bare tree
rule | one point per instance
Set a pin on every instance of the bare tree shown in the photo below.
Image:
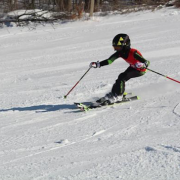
(60, 5)
(87, 2)
(69, 5)
(12, 4)
(92, 8)
(97, 3)
(177, 3)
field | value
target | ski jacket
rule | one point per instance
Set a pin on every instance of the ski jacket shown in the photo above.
(131, 56)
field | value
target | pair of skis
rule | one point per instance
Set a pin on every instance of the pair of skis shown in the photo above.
(85, 107)
(127, 97)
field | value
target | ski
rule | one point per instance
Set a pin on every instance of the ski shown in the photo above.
(82, 106)
(94, 105)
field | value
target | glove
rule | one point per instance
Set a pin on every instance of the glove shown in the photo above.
(95, 64)
(140, 65)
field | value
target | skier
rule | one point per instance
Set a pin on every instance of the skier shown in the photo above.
(122, 46)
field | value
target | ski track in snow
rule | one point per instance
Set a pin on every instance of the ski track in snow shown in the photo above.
(43, 135)
(177, 110)
(61, 144)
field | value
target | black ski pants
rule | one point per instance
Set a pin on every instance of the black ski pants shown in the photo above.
(119, 86)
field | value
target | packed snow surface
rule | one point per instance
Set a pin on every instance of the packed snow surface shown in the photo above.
(45, 137)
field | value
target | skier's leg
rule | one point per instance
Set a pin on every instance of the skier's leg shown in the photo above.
(119, 86)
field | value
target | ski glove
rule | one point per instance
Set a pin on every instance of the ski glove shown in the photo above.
(95, 64)
(140, 65)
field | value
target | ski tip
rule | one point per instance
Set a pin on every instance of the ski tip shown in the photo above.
(82, 107)
(125, 93)
(65, 97)
(138, 97)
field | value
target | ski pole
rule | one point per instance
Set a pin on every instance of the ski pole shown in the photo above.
(76, 83)
(163, 75)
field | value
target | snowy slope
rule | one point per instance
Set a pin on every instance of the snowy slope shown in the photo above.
(44, 137)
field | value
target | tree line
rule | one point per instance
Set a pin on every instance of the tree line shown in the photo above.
(69, 9)
(71, 5)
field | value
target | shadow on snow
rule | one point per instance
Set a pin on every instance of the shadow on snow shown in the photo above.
(41, 108)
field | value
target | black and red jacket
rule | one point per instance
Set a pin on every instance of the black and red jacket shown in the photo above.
(131, 56)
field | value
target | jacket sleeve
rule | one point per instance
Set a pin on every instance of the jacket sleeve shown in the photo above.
(110, 60)
(141, 59)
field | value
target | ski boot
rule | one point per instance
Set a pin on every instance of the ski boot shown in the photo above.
(109, 98)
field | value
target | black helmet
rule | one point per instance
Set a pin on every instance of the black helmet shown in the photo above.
(121, 40)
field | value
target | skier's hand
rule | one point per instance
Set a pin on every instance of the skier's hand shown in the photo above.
(95, 64)
(140, 65)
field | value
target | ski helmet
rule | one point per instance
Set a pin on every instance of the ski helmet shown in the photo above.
(121, 40)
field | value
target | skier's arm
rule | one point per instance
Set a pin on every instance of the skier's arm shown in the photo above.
(141, 59)
(110, 60)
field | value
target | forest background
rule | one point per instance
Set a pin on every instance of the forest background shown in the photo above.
(74, 9)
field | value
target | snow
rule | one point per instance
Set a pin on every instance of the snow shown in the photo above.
(43, 135)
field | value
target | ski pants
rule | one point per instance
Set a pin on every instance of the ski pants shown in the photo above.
(119, 86)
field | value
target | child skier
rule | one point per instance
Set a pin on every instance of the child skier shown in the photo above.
(133, 57)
